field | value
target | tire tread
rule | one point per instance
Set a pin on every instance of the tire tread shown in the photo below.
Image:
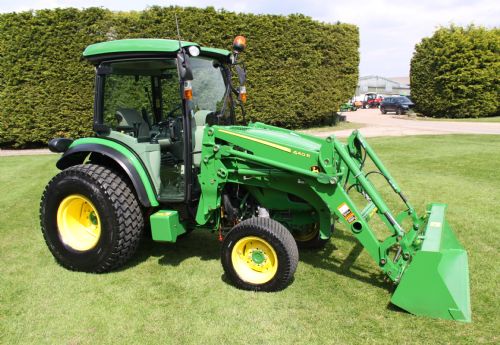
(128, 213)
(279, 232)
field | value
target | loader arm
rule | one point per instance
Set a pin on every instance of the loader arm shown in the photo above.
(321, 172)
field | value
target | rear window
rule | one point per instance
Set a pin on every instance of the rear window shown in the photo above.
(402, 99)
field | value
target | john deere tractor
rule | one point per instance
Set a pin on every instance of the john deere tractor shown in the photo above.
(167, 152)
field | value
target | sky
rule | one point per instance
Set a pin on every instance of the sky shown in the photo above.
(389, 29)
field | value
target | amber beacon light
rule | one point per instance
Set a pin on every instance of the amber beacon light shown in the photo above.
(239, 44)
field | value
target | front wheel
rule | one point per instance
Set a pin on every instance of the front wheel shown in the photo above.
(383, 111)
(399, 111)
(259, 254)
(90, 218)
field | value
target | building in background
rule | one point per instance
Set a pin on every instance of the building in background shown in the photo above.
(383, 86)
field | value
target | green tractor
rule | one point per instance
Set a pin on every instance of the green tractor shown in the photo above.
(168, 155)
(349, 106)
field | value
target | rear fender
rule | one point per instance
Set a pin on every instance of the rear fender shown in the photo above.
(128, 163)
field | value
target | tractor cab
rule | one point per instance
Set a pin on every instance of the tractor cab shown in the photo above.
(156, 96)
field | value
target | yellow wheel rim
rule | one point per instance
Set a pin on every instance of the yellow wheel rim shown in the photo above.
(307, 234)
(254, 260)
(78, 223)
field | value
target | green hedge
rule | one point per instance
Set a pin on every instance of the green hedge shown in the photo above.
(455, 73)
(299, 70)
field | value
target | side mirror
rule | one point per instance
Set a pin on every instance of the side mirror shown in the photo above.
(184, 67)
(242, 74)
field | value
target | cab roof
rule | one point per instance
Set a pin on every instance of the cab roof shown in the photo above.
(145, 47)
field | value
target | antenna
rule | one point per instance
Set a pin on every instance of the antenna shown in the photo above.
(178, 31)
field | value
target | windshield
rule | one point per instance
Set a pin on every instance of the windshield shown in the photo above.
(402, 100)
(208, 85)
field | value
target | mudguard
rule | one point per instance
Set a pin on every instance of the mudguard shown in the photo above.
(128, 162)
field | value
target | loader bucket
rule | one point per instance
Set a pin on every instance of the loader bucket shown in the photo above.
(436, 282)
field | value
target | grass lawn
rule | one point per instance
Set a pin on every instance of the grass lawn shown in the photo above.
(177, 294)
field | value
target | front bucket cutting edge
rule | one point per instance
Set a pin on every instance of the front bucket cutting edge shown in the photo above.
(436, 282)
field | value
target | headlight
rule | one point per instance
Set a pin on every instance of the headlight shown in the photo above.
(194, 50)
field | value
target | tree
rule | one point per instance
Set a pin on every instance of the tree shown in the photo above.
(455, 73)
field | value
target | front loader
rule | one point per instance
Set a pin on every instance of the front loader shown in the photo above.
(167, 149)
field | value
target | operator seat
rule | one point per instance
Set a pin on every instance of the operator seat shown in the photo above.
(130, 117)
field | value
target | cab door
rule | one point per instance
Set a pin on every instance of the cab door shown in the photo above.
(172, 138)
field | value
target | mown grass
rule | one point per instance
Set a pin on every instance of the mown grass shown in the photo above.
(177, 294)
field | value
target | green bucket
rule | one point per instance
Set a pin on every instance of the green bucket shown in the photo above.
(436, 282)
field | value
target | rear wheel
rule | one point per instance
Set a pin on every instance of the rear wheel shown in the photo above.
(259, 254)
(308, 237)
(90, 218)
(382, 110)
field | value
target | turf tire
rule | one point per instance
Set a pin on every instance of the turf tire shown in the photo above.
(314, 243)
(121, 218)
(278, 237)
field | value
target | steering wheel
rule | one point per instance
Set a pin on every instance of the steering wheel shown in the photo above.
(171, 112)
(172, 127)
(169, 118)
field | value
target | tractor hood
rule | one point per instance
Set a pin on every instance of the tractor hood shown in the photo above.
(275, 143)
(273, 137)
(288, 140)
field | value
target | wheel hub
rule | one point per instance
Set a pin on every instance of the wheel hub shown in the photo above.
(78, 223)
(254, 260)
(258, 257)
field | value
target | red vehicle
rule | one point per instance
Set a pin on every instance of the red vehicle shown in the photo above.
(372, 100)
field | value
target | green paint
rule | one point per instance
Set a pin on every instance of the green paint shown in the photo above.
(165, 226)
(142, 45)
(135, 45)
(148, 153)
(93, 218)
(258, 257)
(436, 282)
(273, 163)
(215, 51)
(130, 156)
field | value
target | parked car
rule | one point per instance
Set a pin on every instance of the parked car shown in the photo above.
(399, 105)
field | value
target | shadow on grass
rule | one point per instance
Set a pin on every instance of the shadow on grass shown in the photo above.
(396, 309)
(326, 259)
(204, 245)
(199, 243)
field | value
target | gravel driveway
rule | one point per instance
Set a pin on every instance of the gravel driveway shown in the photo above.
(27, 152)
(377, 125)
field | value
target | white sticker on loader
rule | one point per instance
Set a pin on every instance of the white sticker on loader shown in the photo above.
(346, 213)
